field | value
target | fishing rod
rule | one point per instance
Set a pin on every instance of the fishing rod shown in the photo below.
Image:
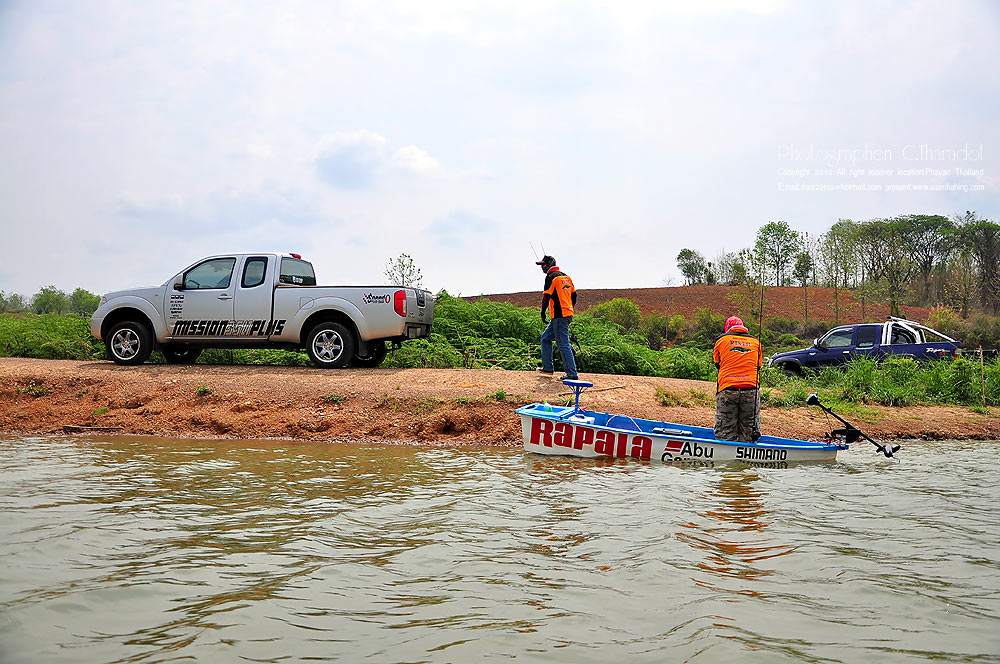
(850, 432)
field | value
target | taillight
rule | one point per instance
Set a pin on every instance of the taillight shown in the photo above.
(399, 302)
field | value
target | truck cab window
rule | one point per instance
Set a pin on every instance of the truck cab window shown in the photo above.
(296, 272)
(215, 273)
(932, 337)
(900, 335)
(868, 336)
(838, 338)
(254, 271)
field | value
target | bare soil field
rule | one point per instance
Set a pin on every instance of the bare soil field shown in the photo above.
(431, 406)
(786, 302)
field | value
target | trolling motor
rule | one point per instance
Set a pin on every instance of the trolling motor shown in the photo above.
(851, 433)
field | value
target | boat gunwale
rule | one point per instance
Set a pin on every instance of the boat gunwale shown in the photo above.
(794, 444)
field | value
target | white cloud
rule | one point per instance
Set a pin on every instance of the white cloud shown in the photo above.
(634, 128)
(357, 159)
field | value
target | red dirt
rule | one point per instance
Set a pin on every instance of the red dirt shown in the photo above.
(434, 406)
(786, 302)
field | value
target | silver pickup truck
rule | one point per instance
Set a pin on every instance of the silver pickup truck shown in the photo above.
(260, 301)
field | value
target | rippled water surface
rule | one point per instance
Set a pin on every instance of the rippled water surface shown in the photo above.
(140, 550)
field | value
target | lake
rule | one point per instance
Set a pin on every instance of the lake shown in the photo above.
(157, 550)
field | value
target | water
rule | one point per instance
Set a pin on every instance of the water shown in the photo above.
(153, 550)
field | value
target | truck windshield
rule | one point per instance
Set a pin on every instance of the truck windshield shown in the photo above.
(296, 272)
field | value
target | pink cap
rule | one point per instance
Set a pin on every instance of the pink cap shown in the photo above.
(733, 321)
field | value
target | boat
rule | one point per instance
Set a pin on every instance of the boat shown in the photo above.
(574, 431)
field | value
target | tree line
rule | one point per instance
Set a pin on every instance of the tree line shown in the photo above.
(912, 259)
(51, 300)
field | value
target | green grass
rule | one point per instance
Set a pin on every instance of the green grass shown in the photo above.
(484, 334)
(896, 381)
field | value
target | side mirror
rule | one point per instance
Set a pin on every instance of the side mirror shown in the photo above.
(179, 283)
(816, 343)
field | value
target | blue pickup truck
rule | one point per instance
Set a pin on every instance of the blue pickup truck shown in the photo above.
(895, 337)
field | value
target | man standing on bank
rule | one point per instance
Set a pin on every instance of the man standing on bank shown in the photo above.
(739, 358)
(559, 297)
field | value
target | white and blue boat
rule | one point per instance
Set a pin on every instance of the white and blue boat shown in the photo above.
(574, 431)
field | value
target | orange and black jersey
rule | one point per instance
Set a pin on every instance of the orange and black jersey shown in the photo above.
(739, 357)
(559, 295)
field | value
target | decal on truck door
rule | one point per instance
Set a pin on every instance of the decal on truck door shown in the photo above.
(227, 328)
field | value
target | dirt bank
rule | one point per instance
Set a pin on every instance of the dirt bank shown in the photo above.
(422, 405)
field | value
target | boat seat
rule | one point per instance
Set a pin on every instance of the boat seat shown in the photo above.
(577, 383)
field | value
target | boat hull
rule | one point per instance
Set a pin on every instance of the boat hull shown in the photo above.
(563, 431)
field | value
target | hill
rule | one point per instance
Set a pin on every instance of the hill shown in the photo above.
(784, 302)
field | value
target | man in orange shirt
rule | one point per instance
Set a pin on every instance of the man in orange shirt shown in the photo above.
(739, 358)
(558, 299)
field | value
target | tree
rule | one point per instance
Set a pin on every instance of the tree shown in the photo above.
(49, 300)
(402, 271)
(776, 247)
(723, 268)
(692, 266)
(982, 237)
(749, 296)
(83, 302)
(931, 244)
(803, 268)
(836, 251)
(11, 303)
(886, 250)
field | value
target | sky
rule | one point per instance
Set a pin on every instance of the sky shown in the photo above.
(138, 137)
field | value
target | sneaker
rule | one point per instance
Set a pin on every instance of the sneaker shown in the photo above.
(540, 370)
(568, 377)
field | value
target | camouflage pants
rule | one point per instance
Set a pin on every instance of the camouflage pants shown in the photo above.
(737, 414)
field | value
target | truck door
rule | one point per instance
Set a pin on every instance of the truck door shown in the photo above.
(254, 294)
(834, 348)
(203, 306)
(867, 341)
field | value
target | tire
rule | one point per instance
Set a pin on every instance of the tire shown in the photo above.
(330, 345)
(180, 355)
(129, 343)
(792, 370)
(376, 355)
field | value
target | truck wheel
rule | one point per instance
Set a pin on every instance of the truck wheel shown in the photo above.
(129, 343)
(330, 345)
(791, 370)
(376, 354)
(180, 355)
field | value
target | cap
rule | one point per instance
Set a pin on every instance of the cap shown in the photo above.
(546, 260)
(733, 321)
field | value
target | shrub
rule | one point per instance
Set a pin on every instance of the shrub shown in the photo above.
(781, 325)
(621, 311)
(705, 328)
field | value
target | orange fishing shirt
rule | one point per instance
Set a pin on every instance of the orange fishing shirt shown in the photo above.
(739, 357)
